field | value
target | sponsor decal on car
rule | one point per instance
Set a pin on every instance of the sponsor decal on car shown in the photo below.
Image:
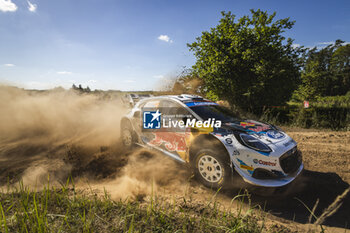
(250, 126)
(172, 141)
(246, 124)
(274, 134)
(235, 152)
(246, 167)
(228, 141)
(260, 128)
(267, 163)
(190, 104)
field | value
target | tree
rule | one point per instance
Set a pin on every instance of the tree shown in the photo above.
(340, 67)
(326, 72)
(248, 62)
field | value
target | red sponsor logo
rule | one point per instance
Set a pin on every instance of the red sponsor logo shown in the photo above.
(247, 124)
(172, 141)
(254, 127)
(260, 128)
(267, 163)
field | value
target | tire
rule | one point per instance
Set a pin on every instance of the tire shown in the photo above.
(127, 136)
(212, 168)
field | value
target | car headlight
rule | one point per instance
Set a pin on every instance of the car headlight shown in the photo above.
(254, 143)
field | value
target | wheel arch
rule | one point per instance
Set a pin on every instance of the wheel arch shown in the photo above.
(206, 141)
(125, 120)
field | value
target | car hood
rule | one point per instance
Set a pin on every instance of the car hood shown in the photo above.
(267, 133)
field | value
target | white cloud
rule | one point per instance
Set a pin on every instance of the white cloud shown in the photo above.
(7, 5)
(165, 38)
(295, 46)
(64, 72)
(158, 76)
(9, 65)
(92, 81)
(32, 7)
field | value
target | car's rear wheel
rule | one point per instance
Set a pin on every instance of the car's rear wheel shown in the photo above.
(127, 136)
(212, 168)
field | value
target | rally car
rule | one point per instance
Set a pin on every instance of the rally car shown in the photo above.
(262, 154)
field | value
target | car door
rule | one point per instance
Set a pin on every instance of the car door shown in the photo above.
(171, 137)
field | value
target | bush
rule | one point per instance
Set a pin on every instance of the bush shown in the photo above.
(328, 112)
(276, 115)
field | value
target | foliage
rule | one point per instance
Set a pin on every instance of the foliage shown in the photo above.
(324, 112)
(326, 72)
(333, 101)
(248, 62)
(80, 88)
(336, 118)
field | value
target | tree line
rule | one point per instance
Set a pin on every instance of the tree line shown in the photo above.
(251, 64)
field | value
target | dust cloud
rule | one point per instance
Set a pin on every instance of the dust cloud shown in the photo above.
(57, 117)
(147, 173)
(58, 133)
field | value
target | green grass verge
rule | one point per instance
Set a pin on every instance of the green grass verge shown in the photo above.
(68, 210)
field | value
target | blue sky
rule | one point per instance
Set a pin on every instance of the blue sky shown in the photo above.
(134, 44)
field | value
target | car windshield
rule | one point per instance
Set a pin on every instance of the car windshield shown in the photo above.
(215, 111)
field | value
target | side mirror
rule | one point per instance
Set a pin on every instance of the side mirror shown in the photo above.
(137, 114)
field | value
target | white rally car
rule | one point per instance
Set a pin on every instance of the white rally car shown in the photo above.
(260, 153)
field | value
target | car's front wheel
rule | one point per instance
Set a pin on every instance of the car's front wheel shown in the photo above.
(212, 168)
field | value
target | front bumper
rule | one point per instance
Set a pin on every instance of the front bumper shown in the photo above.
(278, 182)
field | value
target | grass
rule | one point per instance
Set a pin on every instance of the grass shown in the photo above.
(67, 209)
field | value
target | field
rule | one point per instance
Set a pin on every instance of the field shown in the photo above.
(70, 143)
